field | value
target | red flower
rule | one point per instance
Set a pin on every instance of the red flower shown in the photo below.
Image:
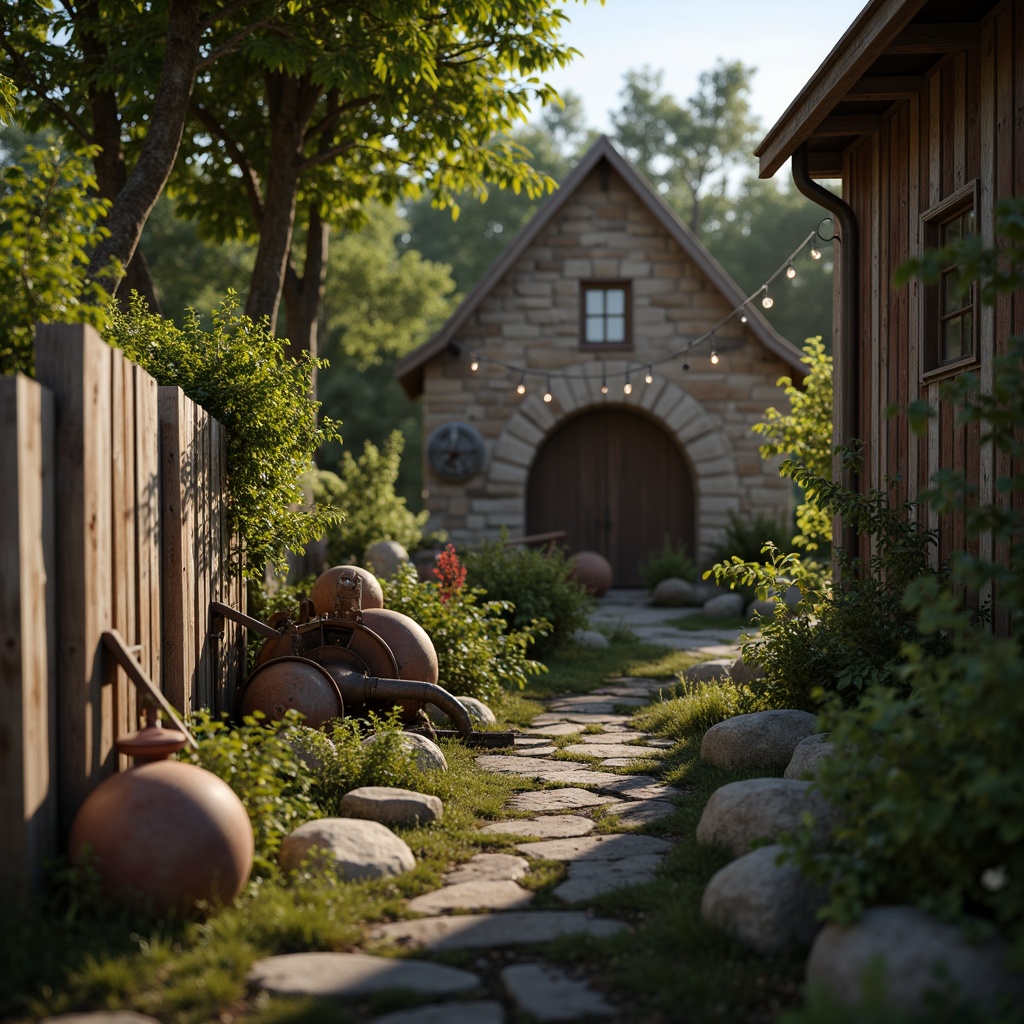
(450, 573)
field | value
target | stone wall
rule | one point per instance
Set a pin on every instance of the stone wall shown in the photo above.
(531, 318)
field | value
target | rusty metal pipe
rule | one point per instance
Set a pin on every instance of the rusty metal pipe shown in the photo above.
(359, 689)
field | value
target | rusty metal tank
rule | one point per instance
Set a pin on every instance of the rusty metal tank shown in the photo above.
(166, 833)
(291, 683)
(324, 593)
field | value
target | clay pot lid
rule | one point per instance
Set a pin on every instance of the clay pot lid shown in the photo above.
(153, 742)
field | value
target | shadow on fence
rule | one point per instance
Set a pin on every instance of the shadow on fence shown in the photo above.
(112, 516)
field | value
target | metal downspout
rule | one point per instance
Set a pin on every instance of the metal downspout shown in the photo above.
(846, 355)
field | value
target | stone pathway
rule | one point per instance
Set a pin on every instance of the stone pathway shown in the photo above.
(481, 905)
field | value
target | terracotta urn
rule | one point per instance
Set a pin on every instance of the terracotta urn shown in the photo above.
(165, 833)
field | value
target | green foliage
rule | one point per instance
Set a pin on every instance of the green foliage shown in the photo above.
(671, 560)
(49, 221)
(804, 434)
(746, 537)
(687, 710)
(535, 586)
(931, 788)
(266, 773)
(239, 373)
(365, 488)
(478, 652)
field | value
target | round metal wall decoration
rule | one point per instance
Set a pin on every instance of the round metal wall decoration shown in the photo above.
(455, 451)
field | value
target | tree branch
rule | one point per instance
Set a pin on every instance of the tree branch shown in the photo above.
(250, 179)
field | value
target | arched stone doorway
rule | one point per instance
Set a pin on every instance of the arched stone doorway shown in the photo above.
(617, 483)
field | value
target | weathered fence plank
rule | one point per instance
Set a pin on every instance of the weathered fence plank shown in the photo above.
(75, 364)
(28, 790)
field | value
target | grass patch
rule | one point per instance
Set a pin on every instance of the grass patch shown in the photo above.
(688, 710)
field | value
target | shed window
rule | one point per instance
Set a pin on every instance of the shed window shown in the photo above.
(950, 317)
(606, 315)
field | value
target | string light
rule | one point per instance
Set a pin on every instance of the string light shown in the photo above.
(767, 302)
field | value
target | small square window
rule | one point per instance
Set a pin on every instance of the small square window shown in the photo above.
(605, 308)
(949, 313)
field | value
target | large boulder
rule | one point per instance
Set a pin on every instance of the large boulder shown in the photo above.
(674, 592)
(426, 753)
(915, 955)
(724, 606)
(391, 806)
(767, 906)
(764, 609)
(744, 672)
(740, 813)
(589, 638)
(385, 557)
(706, 671)
(354, 847)
(761, 740)
(806, 755)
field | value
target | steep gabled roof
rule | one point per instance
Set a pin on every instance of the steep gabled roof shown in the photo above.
(409, 370)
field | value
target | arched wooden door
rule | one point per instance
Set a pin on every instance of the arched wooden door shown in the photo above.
(616, 483)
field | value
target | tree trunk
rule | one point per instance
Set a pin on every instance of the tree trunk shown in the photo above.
(290, 102)
(143, 187)
(303, 295)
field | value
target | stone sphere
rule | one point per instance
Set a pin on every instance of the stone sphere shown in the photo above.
(385, 557)
(167, 833)
(325, 589)
(593, 570)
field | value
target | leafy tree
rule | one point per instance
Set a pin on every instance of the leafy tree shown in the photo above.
(49, 220)
(688, 151)
(804, 434)
(471, 235)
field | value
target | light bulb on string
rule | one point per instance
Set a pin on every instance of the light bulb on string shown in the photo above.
(604, 383)
(767, 301)
(521, 386)
(790, 271)
(627, 388)
(714, 352)
(649, 376)
(547, 392)
(474, 363)
(815, 252)
(743, 315)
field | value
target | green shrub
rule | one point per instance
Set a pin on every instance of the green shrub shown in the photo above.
(746, 537)
(478, 653)
(364, 488)
(50, 220)
(930, 789)
(239, 373)
(671, 560)
(535, 586)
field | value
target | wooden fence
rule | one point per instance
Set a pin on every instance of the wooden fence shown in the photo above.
(112, 516)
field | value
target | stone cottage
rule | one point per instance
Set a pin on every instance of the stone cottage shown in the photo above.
(579, 387)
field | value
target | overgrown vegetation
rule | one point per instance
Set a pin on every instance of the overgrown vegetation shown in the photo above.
(687, 710)
(671, 560)
(364, 487)
(536, 585)
(478, 652)
(50, 219)
(239, 373)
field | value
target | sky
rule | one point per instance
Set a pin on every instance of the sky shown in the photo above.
(786, 40)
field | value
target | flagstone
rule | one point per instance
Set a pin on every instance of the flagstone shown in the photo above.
(610, 750)
(558, 800)
(355, 975)
(593, 848)
(519, 765)
(488, 867)
(482, 894)
(589, 879)
(485, 931)
(642, 812)
(559, 728)
(548, 993)
(474, 1011)
(551, 826)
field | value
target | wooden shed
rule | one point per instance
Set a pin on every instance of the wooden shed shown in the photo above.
(538, 414)
(918, 110)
